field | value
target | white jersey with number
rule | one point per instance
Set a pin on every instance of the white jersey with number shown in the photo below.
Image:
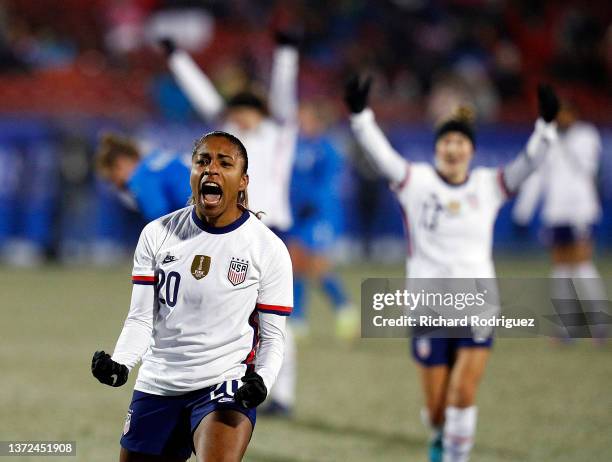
(206, 303)
(450, 227)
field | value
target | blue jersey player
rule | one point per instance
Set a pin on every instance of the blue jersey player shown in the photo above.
(317, 219)
(154, 185)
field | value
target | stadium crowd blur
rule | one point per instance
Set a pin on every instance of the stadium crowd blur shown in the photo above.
(70, 69)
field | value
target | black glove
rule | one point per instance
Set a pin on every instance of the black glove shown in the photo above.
(167, 45)
(288, 38)
(356, 93)
(547, 102)
(108, 371)
(253, 392)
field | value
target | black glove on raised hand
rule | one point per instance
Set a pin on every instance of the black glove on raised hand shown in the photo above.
(288, 38)
(253, 392)
(108, 371)
(356, 93)
(547, 102)
(168, 45)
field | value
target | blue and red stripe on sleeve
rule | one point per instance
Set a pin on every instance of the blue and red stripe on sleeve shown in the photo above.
(143, 280)
(275, 309)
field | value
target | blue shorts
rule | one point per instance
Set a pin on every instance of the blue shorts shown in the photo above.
(164, 425)
(568, 234)
(432, 351)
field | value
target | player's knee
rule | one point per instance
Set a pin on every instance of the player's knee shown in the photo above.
(462, 394)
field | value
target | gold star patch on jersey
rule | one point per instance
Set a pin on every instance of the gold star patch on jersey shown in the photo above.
(454, 206)
(200, 266)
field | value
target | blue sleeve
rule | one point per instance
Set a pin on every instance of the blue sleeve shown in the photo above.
(330, 166)
(176, 181)
(148, 190)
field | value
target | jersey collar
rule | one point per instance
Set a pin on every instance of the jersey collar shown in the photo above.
(452, 185)
(218, 230)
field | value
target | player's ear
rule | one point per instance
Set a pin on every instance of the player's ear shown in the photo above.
(244, 182)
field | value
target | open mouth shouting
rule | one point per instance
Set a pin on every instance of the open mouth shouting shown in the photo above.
(210, 193)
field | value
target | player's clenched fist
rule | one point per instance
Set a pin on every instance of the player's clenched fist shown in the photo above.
(548, 103)
(108, 371)
(253, 392)
(168, 45)
(356, 93)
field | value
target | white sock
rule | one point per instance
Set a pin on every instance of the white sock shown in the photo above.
(562, 289)
(283, 391)
(588, 285)
(591, 293)
(459, 430)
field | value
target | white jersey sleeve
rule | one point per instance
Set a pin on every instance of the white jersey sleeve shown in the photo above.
(528, 198)
(135, 337)
(197, 86)
(535, 153)
(274, 304)
(283, 85)
(584, 147)
(376, 146)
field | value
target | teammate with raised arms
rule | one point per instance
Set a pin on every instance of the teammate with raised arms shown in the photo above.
(212, 289)
(449, 213)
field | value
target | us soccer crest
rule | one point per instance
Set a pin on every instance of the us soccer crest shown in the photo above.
(200, 266)
(237, 271)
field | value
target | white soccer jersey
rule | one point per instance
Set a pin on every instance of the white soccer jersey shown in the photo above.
(270, 148)
(449, 227)
(271, 145)
(566, 180)
(206, 303)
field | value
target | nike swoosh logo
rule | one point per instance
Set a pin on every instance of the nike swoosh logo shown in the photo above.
(169, 259)
(114, 377)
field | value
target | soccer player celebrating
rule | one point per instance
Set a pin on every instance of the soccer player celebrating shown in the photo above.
(567, 182)
(212, 289)
(269, 132)
(450, 212)
(154, 185)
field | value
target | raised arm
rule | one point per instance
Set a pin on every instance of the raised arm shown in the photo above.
(369, 135)
(527, 199)
(283, 83)
(538, 145)
(195, 84)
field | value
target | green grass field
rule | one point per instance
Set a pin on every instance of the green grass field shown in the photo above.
(355, 402)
